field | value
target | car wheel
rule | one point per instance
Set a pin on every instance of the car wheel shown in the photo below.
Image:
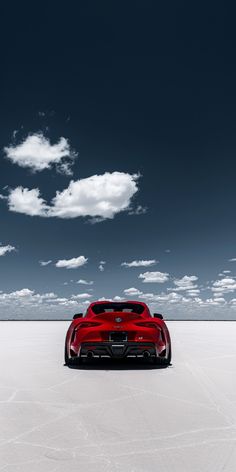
(163, 361)
(69, 361)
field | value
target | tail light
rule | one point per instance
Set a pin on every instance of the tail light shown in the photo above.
(87, 324)
(148, 324)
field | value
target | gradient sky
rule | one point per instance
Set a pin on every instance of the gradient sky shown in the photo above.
(139, 98)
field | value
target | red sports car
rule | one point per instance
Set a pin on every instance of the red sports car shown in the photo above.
(118, 330)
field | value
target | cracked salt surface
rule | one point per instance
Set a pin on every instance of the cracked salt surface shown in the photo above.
(117, 417)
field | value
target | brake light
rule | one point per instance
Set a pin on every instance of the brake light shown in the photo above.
(148, 324)
(87, 324)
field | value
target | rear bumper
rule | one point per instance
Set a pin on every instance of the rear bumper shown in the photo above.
(117, 349)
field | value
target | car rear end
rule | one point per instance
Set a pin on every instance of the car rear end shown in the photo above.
(119, 335)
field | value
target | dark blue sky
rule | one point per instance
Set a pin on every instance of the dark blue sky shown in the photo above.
(136, 88)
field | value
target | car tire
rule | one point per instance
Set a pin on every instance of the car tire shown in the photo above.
(163, 362)
(69, 361)
(66, 357)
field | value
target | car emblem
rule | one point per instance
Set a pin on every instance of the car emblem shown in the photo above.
(118, 320)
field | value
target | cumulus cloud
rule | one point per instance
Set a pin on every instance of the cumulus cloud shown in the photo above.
(220, 299)
(73, 263)
(154, 277)
(28, 202)
(117, 298)
(193, 293)
(26, 296)
(99, 197)
(37, 153)
(101, 265)
(132, 291)
(138, 211)
(140, 263)
(45, 263)
(166, 300)
(172, 297)
(104, 299)
(186, 283)
(5, 249)
(96, 196)
(84, 282)
(81, 296)
(226, 271)
(225, 285)
(214, 301)
(28, 303)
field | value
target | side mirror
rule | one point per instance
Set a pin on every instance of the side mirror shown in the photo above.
(158, 315)
(77, 315)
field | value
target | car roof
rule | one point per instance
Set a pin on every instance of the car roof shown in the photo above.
(101, 302)
(145, 310)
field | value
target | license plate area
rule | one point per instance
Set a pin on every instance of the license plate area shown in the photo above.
(118, 336)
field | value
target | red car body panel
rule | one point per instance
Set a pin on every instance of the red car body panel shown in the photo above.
(118, 330)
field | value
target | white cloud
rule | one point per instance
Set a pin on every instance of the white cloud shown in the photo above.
(225, 285)
(154, 277)
(193, 292)
(214, 301)
(25, 292)
(186, 283)
(26, 296)
(5, 249)
(138, 211)
(101, 265)
(104, 299)
(117, 298)
(226, 271)
(80, 296)
(84, 282)
(220, 299)
(140, 263)
(98, 197)
(163, 297)
(36, 153)
(27, 303)
(28, 202)
(73, 263)
(233, 259)
(45, 263)
(147, 296)
(132, 291)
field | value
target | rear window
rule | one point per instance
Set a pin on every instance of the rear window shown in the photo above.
(114, 307)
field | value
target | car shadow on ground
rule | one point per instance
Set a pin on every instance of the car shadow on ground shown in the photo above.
(117, 364)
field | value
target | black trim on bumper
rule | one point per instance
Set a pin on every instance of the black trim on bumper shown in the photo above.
(117, 349)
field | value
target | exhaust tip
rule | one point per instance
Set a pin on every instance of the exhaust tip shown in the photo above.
(146, 354)
(90, 354)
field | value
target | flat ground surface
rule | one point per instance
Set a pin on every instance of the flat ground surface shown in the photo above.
(117, 417)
